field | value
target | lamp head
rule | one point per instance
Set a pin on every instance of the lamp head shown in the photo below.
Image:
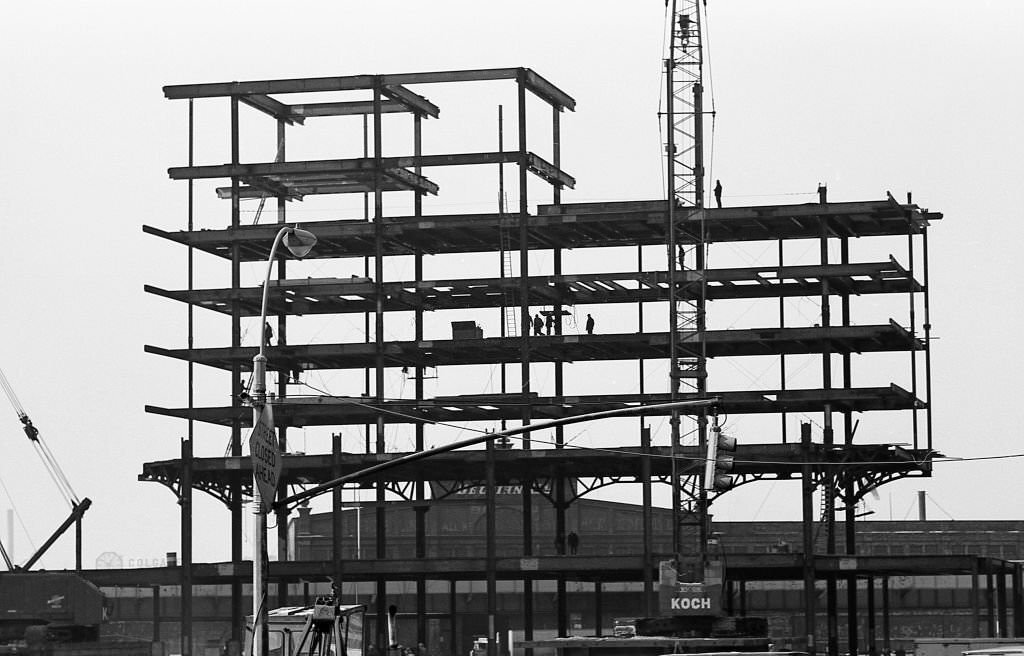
(299, 242)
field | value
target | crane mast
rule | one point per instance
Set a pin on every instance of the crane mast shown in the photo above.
(77, 506)
(684, 149)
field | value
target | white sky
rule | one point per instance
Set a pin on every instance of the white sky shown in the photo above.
(864, 96)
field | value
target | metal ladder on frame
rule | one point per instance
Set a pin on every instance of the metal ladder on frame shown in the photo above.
(509, 308)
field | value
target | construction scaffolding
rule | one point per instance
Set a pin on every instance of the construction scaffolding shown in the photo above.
(559, 369)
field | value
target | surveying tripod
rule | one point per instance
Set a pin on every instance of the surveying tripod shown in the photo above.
(323, 630)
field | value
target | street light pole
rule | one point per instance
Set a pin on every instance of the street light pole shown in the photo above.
(299, 243)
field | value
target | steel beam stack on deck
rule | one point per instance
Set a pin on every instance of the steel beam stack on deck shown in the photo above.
(841, 468)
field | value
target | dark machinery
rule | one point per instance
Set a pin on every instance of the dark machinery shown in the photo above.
(57, 614)
(41, 607)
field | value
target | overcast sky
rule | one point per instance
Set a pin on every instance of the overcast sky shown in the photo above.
(864, 96)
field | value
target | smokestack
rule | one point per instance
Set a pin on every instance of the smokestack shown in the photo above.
(922, 510)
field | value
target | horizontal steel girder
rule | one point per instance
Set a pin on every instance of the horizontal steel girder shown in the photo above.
(340, 295)
(531, 80)
(766, 461)
(585, 226)
(558, 348)
(330, 411)
(282, 171)
(606, 568)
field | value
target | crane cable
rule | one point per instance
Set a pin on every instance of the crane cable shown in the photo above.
(49, 461)
(706, 43)
(7, 559)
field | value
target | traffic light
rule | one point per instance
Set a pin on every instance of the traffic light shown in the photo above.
(719, 460)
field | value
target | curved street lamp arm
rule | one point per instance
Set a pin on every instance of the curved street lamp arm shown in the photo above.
(266, 282)
(421, 455)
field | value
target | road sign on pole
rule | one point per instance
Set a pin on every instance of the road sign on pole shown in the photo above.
(266, 457)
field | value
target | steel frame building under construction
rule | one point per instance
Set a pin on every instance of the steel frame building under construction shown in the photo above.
(672, 243)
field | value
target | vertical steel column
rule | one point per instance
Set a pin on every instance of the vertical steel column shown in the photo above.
(872, 645)
(886, 624)
(645, 468)
(237, 614)
(502, 245)
(524, 301)
(704, 508)
(378, 281)
(975, 600)
(647, 514)
(524, 258)
(186, 464)
(598, 607)
(1017, 599)
(809, 573)
(366, 274)
(156, 619)
(701, 266)
(673, 330)
(337, 518)
(525, 324)
(78, 544)
(185, 499)
(829, 483)
(561, 601)
(561, 504)
(913, 329)
(282, 385)
(849, 525)
(491, 551)
(453, 624)
(990, 610)
(927, 342)
(556, 198)
(1002, 626)
(421, 496)
(782, 324)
